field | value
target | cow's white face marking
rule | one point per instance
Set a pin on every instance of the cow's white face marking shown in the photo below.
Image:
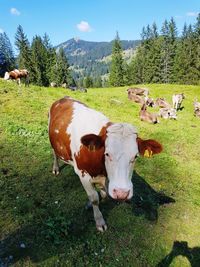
(121, 150)
(6, 76)
(56, 131)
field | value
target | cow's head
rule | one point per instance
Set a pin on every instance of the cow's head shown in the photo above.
(122, 146)
(6, 76)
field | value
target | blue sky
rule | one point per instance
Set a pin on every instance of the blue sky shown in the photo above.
(92, 20)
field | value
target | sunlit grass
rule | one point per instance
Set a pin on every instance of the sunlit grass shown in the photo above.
(47, 213)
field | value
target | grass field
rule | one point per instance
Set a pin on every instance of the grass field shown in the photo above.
(43, 218)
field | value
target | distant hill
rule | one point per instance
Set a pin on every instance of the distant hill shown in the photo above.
(93, 58)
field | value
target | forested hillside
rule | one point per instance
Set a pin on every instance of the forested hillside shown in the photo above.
(93, 58)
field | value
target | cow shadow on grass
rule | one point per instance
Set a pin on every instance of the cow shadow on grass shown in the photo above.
(181, 249)
(61, 229)
(146, 200)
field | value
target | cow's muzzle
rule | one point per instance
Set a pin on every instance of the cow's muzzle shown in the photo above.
(120, 194)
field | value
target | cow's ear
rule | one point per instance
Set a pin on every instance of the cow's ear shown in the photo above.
(148, 148)
(92, 141)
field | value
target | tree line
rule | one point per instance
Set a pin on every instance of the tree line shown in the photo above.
(39, 57)
(161, 58)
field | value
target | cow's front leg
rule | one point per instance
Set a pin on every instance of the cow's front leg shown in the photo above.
(94, 199)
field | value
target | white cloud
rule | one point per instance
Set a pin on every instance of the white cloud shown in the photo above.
(192, 14)
(1, 30)
(84, 26)
(14, 11)
(178, 17)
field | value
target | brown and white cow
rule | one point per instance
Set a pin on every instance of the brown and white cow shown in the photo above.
(138, 91)
(17, 75)
(196, 104)
(147, 116)
(136, 98)
(96, 148)
(196, 108)
(149, 101)
(162, 103)
(177, 100)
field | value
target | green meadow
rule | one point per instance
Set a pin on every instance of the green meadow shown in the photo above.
(43, 219)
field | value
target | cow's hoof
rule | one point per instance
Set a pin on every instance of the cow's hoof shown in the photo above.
(55, 172)
(101, 225)
(102, 228)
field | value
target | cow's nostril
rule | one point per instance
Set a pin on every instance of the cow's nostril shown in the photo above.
(120, 194)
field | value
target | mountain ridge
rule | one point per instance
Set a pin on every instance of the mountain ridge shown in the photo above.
(91, 58)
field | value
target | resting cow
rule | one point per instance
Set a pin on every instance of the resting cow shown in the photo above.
(147, 116)
(17, 75)
(196, 104)
(162, 103)
(177, 100)
(98, 149)
(168, 113)
(149, 102)
(138, 91)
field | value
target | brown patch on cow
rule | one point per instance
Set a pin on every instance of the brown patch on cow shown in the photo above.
(91, 161)
(91, 156)
(16, 74)
(148, 147)
(92, 141)
(60, 117)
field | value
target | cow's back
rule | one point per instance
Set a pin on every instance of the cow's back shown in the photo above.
(60, 116)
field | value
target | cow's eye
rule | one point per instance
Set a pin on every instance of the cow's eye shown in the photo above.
(108, 156)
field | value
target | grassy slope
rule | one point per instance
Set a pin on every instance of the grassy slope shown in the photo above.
(47, 213)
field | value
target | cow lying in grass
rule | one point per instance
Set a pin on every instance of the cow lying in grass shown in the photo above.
(196, 108)
(196, 104)
(17, 75)
(147, 116)
(138, 91)
(98, 150)
(168, 113)
(162, 103)
(177, 100)
(149, 102)
(136, 98)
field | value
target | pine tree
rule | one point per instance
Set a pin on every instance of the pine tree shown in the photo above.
(7, 60)
(39, 62)
(50, 58)
(197, 47)
(23, 46)
(126, 72)
(137, 66)
(61, 69)
(165, 53)
(88, 82)
(98, 82)
(116, 77)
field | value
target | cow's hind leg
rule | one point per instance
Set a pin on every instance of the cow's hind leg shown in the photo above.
(94, 199)
(55, 164)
